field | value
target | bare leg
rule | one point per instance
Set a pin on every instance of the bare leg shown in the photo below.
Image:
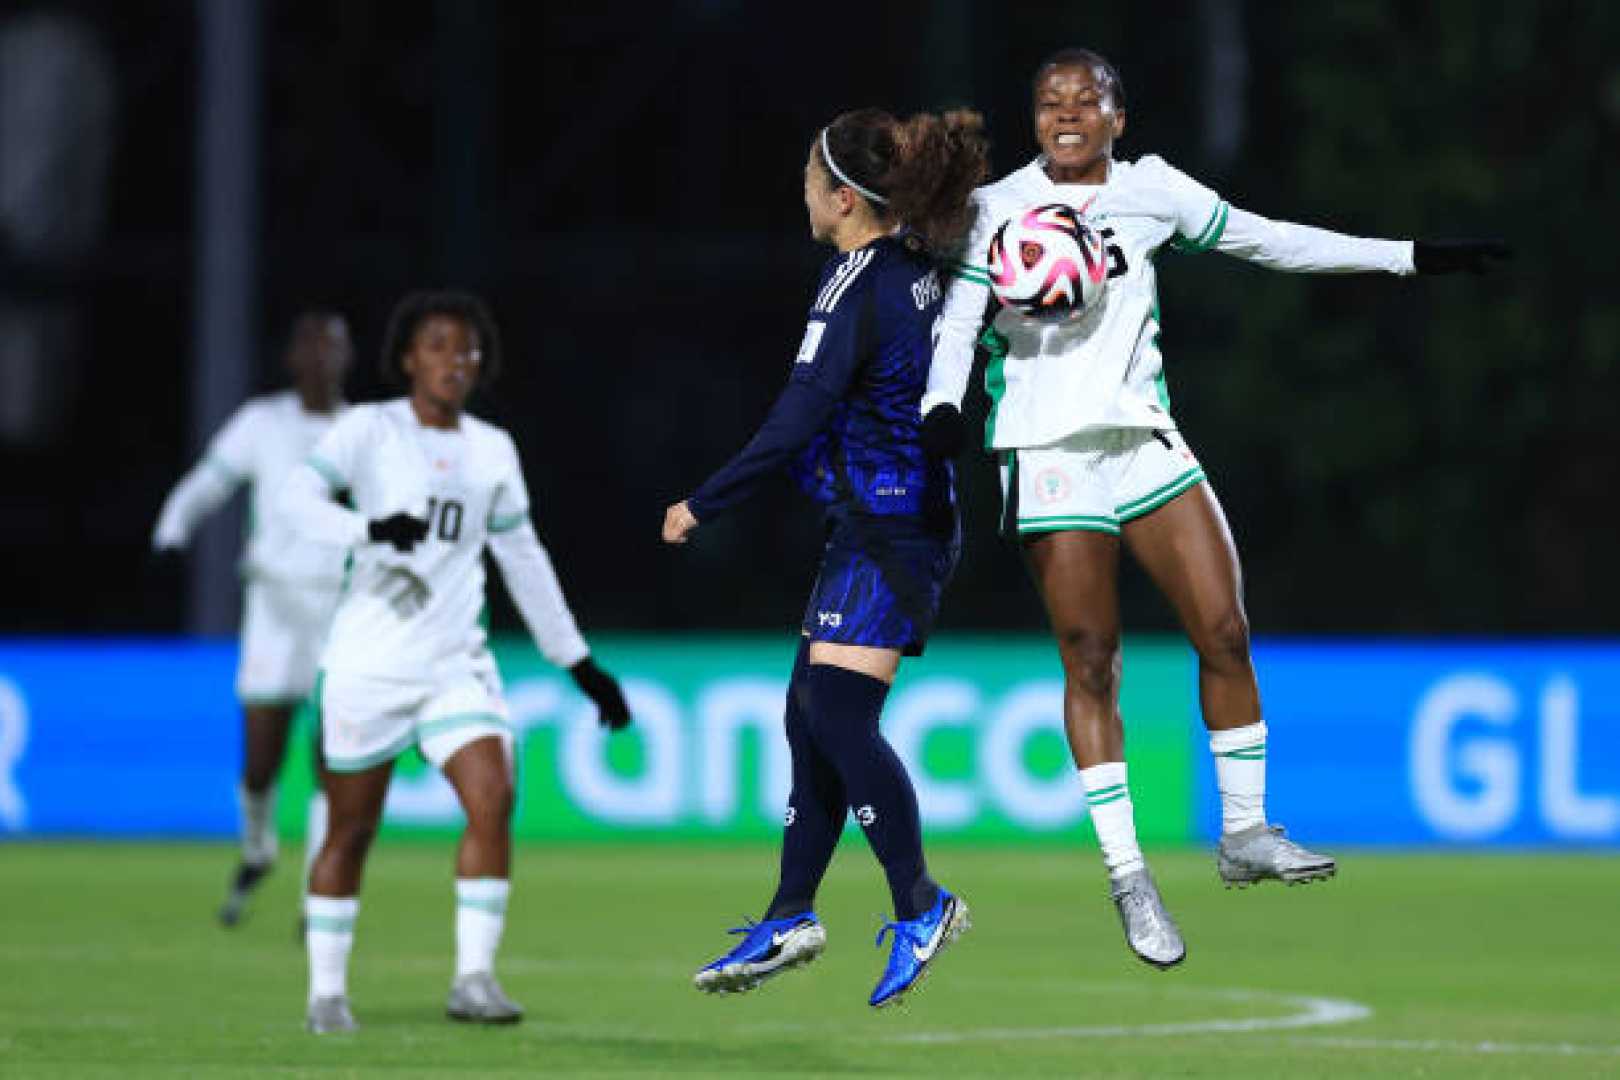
(482, 777)
(264, 732)
(1076, 573)
(1187, 549)
(265, 728)
(354, 809)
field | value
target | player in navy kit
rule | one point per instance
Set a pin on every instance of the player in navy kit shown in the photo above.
(886, 193)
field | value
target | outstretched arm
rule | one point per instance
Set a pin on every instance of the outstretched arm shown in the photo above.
(799, 412)
(1284, 245)
(199, 493)
(826, 365)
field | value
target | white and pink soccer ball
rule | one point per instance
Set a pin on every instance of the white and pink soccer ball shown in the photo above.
(1048, 263)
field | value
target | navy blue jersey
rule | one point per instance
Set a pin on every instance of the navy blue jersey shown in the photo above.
(848, 421)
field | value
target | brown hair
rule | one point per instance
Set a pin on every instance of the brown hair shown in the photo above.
(922, 168)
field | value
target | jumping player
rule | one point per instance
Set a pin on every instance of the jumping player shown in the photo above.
(291, 583)
(884, 193)
(406, 661)
(1090, 456)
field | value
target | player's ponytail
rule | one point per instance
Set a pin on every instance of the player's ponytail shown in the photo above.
(919, 171)
(939, 160)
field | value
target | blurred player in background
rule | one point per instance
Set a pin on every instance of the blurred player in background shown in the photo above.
(1090, 455)
(292, 582)
(406, 662)
(884, 193)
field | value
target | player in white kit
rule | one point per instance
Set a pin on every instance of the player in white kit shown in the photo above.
(406, 661)
(291, 582)
(1080, 419)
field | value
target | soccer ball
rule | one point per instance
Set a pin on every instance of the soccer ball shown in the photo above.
(1048, 263)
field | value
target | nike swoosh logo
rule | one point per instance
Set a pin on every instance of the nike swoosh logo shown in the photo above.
(778, 938)
(926, 953)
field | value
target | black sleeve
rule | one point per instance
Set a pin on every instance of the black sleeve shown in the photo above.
(828, 359)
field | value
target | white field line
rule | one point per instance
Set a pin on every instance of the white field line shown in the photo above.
(1458, 1046)
(1308, 1012)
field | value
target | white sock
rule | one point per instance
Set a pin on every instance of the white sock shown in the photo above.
(258, 825)
(314, 833)
(329, 936)
(1108, 797)
(1240, 773)
(480, 918)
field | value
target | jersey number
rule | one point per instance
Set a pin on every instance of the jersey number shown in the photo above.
(1117, 266)
(447, 516)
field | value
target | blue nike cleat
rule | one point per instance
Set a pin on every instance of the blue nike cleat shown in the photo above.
(916, 943)
(768, 948)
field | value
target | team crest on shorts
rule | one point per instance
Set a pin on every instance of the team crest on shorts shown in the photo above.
(1052, 485)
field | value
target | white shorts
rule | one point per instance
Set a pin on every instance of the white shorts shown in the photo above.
(283, 629)
(1096, 480)
(367, 720)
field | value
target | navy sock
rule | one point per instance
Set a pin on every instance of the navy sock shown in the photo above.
(844, 707)
(815, 811)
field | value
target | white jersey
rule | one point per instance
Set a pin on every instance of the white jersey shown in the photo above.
(417, 615)
(259, 445)
(1104, 370)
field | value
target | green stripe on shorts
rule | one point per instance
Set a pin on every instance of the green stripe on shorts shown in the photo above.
(367, 761)
(1155, 499)
(1069, 523)
(440, 724)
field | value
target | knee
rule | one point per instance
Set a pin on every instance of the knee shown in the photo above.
(350, 840)
(1223, 642)
(491, 807)
(1090, 660)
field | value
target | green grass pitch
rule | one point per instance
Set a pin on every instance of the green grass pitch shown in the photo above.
(1501, 965)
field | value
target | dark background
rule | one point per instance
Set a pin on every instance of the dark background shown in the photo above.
(622, 182)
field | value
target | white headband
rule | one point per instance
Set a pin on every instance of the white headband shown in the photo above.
(826, 155)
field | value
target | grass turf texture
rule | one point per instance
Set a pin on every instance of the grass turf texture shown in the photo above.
(113, 966)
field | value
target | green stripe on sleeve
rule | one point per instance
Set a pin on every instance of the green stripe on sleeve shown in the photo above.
(968, 271)
(1211, 235)
(328, 471)
(218, 465)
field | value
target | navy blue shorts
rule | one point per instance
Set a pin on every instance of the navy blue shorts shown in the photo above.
(881, 581)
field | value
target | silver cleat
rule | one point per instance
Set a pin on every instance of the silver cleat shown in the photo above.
(330, 1015)
(479, 999)
(1149, 930)
(1264, 853)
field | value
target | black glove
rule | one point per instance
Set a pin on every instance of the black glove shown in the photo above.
(1457, 256)
(401, 530)
(602, 688)
(943, 432)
